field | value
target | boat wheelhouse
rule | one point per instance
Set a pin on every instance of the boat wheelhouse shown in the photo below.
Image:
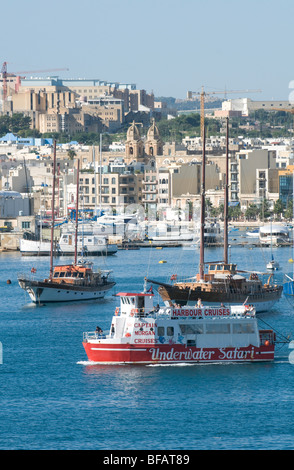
(143, 334)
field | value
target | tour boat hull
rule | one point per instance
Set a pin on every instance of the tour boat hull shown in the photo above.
(174, 354)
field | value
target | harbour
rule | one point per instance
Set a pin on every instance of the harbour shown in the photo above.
(51, 380)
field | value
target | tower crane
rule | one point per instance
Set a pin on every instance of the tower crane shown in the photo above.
(203, 93)
(4, 75)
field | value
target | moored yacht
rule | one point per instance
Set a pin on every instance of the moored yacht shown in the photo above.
(274, 234)
(68, 283)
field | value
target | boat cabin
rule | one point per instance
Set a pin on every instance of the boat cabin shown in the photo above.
(68, 273)
(135, 304)
(220, 270)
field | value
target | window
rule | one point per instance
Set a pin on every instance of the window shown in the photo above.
(243, 328)
(218, 328)
(170, 331)
(26, 224)
(160, 331)
(191, 329)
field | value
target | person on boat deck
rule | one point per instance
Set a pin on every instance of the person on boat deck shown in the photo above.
(99, 330)
(199, 303)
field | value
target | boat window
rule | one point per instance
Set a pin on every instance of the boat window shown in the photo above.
(140, 302)
(212, 267)
(160, 331)
(191, 329)
(218, 328)
(81, 274)
(56, 274)
(61, 274)
(227, 267)
(170, 331)
(74, 274)
(243, 328)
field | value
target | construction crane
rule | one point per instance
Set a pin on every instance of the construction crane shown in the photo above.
(203, 93)
(5, 74)
(4, 78)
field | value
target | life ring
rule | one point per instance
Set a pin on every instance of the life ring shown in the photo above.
(116, 311)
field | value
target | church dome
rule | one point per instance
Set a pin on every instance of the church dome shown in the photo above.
(153, 132)
(133, 132)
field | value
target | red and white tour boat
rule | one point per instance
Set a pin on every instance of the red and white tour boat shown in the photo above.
(143, 334)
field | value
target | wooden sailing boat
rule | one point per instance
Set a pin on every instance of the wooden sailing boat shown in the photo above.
(223, 283)
(71, 282)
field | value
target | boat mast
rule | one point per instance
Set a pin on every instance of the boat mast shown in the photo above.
(77, 210)
(202, 215)
(52, 210)
(226, 198)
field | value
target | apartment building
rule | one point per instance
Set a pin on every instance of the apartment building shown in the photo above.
(286, 185)
(253, 176)
(110, 189)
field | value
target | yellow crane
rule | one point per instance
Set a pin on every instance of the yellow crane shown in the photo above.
(203, 93)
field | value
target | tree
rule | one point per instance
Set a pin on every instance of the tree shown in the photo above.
(265, 209)
(71, 154)
(278, 208)
(289, 211)
(252, 211)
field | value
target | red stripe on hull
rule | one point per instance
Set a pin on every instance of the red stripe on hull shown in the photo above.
(169, 354)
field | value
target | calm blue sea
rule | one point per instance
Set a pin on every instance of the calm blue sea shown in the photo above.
(51, 398)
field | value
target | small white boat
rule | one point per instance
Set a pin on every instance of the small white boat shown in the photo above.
(87, 244)
(34, 247)
(253, 233)
(273, 265)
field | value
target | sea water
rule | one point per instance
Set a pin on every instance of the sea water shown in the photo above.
(53, 398)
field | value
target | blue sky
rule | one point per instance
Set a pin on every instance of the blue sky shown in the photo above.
(164, 46)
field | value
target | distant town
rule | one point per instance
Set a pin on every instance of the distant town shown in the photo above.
(136, 150)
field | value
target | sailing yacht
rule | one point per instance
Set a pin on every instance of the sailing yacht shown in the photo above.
(71, 282)
(223, 283)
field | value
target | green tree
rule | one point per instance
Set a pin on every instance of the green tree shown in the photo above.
(289, 211)
(252, 211)
(278, 208)
(265, 211)
(71, 154)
